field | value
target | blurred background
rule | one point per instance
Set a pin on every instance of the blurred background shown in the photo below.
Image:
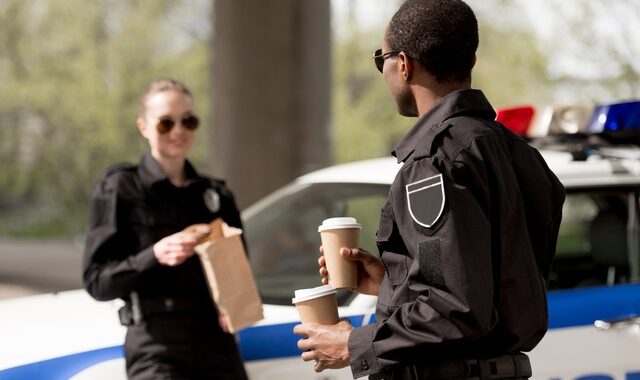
(283, 87)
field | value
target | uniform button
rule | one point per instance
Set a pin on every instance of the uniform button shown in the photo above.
(364, 364)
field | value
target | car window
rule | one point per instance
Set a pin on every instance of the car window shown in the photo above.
(593, 243)
(283, 238)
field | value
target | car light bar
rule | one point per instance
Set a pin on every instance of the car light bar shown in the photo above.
(570, 118)
(517, 119)
(615, 117)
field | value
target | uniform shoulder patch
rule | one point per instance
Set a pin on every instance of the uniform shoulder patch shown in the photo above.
(425, 200)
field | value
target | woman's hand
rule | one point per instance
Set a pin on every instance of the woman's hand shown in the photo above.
(370, 269)
(175, 249)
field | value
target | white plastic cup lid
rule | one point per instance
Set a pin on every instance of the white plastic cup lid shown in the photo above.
(312, 293)
(341, 222)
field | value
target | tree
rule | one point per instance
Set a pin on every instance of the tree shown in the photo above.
(366, 123)
(72, 73)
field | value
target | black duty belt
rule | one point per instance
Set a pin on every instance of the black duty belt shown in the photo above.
(139, 309)
(501, 367)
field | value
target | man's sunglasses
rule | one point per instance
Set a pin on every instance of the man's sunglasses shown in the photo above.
(378, 57)
(166, 123)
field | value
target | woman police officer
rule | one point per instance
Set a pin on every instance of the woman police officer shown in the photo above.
(136, 250)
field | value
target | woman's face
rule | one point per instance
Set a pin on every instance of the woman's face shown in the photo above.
(175, 143)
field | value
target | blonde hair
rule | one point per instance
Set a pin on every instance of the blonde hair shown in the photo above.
(161, 85)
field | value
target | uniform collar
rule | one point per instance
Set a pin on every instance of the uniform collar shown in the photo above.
(460, 102)
(151, 173)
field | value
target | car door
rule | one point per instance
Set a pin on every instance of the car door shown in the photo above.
(594, 298)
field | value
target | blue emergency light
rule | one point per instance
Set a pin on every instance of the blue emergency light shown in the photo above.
(615, 117)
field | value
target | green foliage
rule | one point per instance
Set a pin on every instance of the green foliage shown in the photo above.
(365, 120)
(72, 72)
(510, 70)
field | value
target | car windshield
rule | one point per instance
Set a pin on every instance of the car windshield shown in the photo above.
(283, 238)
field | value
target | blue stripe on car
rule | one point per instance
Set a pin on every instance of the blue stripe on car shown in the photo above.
(581, 307)
(63, 367)
(256, 343)
(567, 308)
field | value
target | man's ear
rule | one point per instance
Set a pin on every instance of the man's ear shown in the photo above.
(142, 127)
(406, 66)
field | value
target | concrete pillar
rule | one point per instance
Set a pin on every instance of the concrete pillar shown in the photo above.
(271, 82)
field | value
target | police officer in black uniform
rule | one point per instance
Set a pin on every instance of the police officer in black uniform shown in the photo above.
(469, 229)
(135, 249)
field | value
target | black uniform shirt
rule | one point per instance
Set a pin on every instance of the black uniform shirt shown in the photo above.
(467, 237)
(133, 207)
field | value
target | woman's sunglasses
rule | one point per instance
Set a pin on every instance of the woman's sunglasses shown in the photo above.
(166, 123)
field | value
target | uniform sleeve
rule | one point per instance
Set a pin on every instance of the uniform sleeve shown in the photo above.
(439, 292)
(110, 268)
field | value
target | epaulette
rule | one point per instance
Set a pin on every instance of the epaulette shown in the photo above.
(216, 182)
(120, 167)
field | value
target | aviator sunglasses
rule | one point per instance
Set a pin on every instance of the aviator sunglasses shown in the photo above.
(166, 123)
(379, 57)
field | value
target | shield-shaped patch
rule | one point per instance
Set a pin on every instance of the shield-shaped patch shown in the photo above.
(425, 199)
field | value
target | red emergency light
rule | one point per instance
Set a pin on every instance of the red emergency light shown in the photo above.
(517, 119)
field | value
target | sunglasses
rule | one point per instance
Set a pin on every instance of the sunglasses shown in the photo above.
(379, 57)
(166, 123)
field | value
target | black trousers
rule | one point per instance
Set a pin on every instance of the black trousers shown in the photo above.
(182, 345)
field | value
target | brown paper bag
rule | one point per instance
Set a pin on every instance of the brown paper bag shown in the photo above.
(229, 276)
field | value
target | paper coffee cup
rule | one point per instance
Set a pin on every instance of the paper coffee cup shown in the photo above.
(337, 233)
(317, 305)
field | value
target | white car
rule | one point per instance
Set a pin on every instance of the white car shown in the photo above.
(593, 302)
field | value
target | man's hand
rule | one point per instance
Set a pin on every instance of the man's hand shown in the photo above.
(370, 269)
(327, 345)
(174, 249)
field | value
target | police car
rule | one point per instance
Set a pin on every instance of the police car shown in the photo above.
(593, 302)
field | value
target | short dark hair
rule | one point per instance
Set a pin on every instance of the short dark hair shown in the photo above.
(441, 34)
(161, 85)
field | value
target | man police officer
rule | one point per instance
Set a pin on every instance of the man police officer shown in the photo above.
(469, 229)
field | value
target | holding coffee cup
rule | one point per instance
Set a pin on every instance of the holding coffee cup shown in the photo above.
(317, 305)
(336, 233)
